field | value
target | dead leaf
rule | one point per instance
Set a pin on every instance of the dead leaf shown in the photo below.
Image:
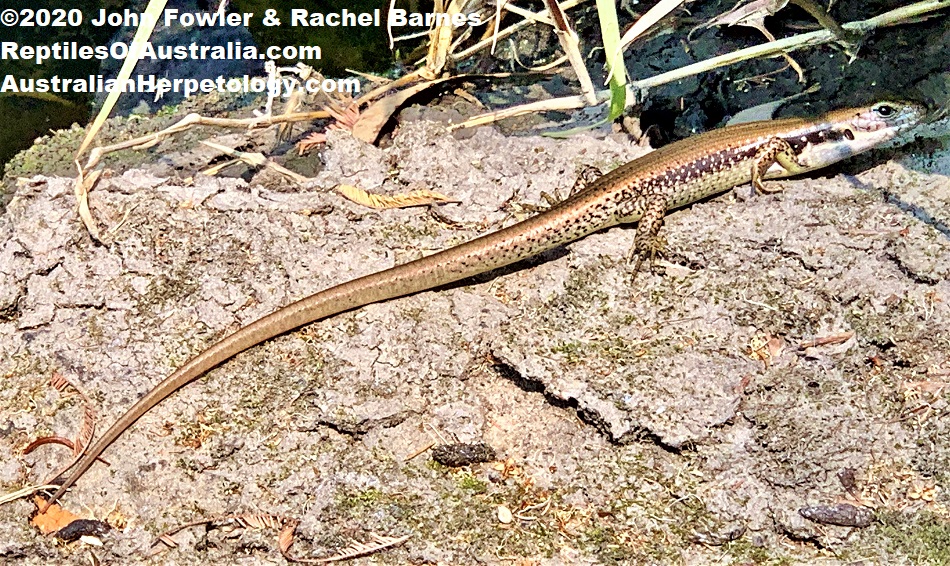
(311, 141)
(839, 338)
(377, 115)
(345, 119)
(404, 200)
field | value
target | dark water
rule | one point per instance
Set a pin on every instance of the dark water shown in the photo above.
(27, 116)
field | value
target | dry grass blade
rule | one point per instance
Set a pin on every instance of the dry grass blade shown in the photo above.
(648, 20)
(894, 17)
(901, 15)
(84, 184)
(440, 39)
(87, 178)
(26, 492)
(215, 169)
(404, 200)
(390, 85)
(153, 11)
(563, 103)
(88, 175)
(256, 160)
(536, 17)
(753, 15)
(293, 104)
(191, 120)
(168, 541)
(571, 45)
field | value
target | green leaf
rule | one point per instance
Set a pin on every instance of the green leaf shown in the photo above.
(610, 34)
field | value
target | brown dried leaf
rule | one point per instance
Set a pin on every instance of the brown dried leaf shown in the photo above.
(285, 538)
(375, 117)
(166, 537)
(259, 521)
(87, 429)
(838, 338)
(59, 382)
(404, 200)
(346, 118)
(311, 141)
(776, 346)
(751, 14)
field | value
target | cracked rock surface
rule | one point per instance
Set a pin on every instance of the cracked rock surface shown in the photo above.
(683, 415)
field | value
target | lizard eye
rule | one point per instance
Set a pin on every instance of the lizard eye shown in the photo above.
(885, 110)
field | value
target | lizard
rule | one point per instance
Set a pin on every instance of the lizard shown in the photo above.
(641, 191)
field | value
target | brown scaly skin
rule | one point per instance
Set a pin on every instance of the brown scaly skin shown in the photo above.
(640, 191)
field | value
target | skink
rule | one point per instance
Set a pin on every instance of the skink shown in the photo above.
(640, 191)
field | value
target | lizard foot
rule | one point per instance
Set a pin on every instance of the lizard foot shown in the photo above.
(647, 249)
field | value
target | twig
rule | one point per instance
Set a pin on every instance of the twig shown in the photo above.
(511, 30)
(894, 17)
(819, 37)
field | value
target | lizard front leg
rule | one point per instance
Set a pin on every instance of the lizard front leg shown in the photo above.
(648, 243)
(776, 150)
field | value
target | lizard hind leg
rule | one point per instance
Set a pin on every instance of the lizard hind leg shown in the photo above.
(776, 150)
(586, 176)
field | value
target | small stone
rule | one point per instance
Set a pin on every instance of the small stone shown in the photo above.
(504, 515)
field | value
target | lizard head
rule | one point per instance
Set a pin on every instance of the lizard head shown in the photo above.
(842, 133)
